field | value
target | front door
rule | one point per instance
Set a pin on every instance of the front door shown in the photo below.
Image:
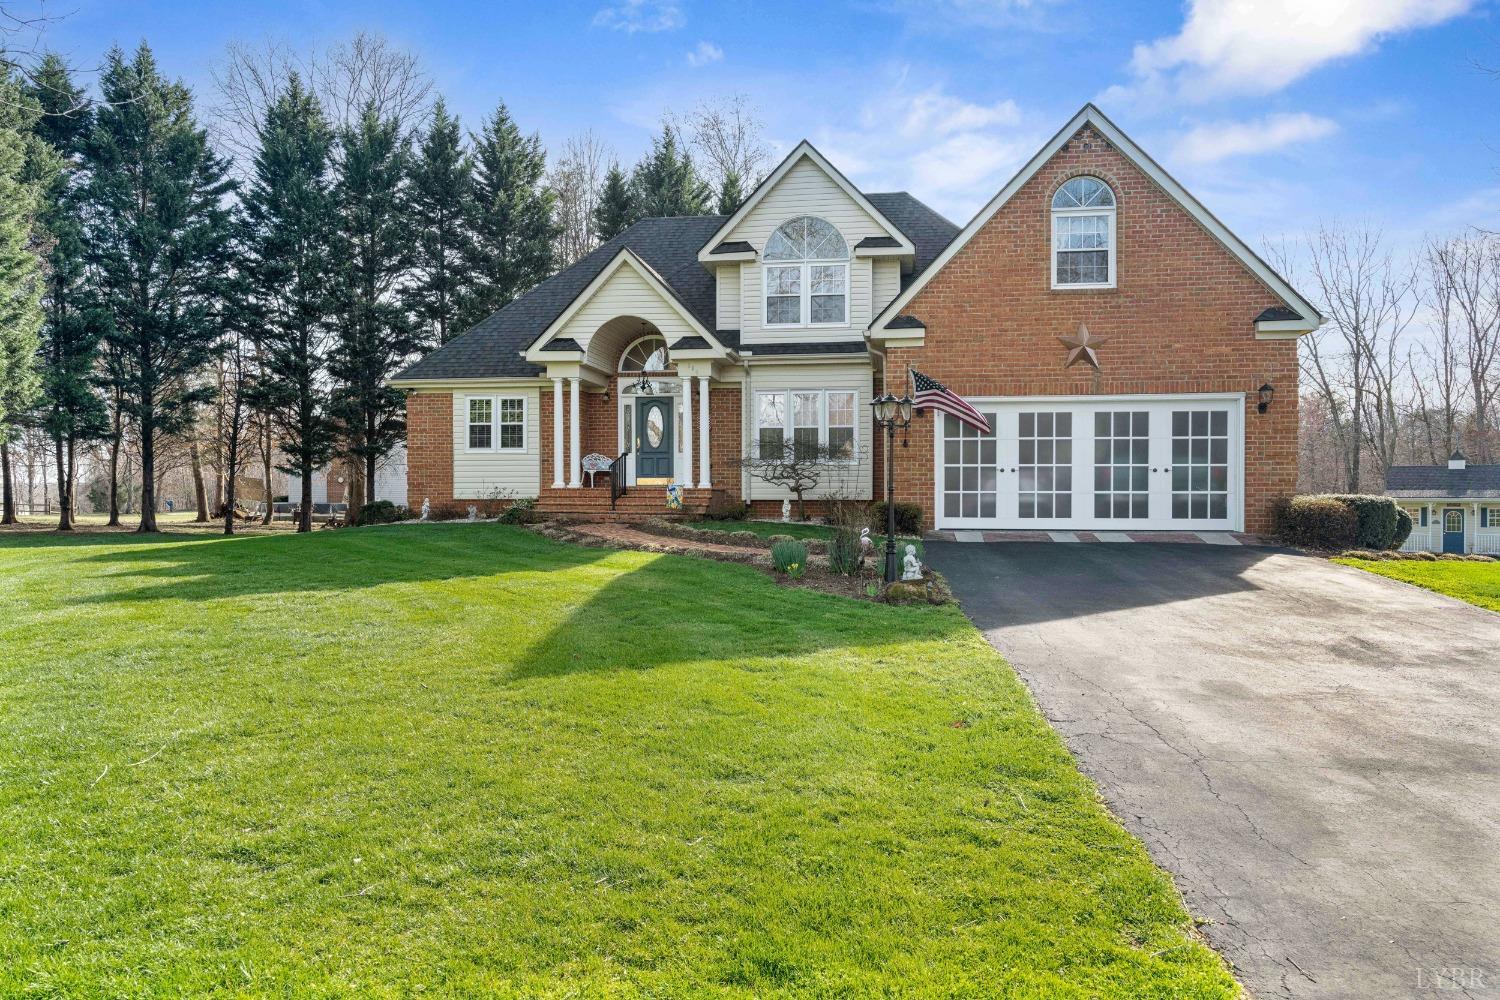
(653, 440)
(1453, 531)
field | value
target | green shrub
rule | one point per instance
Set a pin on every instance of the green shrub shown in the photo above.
(845, 554)
(1316, 522)
(1403, 528)
(908, 518)
(1377, 519)
(789, 556)
(723, 508)
(523, 511)
(381, 512)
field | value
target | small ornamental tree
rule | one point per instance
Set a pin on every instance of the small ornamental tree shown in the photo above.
(798, 468)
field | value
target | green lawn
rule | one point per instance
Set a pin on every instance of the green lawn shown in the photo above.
(465, 760)
(1475, 582)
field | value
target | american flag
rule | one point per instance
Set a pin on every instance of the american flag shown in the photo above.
(933, 395)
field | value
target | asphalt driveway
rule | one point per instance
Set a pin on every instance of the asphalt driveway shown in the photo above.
(1312, 751)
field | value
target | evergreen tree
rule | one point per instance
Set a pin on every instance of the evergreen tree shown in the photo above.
(510, 218)
(72, 411)
(20, 273)
(289, 220)
(616, 210)
(731, 197)
(158, 233)
(665, 182)
(442, 175)
(374, 252)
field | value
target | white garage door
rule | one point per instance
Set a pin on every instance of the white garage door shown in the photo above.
(1097, 463)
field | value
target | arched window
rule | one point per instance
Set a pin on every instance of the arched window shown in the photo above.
(649, 354)
(806, 267)
(1083, 235)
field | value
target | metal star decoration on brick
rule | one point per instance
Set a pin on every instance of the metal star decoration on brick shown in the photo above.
(1081, 347)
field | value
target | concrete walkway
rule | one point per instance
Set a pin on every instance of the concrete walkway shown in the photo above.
(1312, 751)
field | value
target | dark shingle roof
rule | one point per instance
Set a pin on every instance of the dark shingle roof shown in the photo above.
(1477, 482)
(1275, 313)
(877, 243)
(905, 323)
(690, 344)
(928, 231)
(562, 344)
(811, 347)
(493, 347)
(733, 246)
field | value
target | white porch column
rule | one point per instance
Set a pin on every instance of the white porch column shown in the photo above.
(705, 480)
(687, 430)
(557, 433)
(575, 460)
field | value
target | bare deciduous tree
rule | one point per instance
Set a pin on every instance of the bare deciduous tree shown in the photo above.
(1467, 270)
(576, 177)
(726, 135)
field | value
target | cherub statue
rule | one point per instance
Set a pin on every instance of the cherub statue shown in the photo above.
(426, 509)
(911, 566)
(786, 510)
(473, 513)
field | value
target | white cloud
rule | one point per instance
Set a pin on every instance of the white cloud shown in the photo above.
(1230, 47)
(640, 15)
(705, 53)
(1223, 140)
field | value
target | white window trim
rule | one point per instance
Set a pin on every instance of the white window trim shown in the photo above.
(1111, 253)
(805, 305)
(789, 423)
(495, 424)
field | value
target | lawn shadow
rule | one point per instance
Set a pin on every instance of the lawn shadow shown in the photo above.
(195, 568)
(683, 608)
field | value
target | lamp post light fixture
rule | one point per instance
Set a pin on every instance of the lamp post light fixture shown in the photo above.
(891, 413)
(1265, 392)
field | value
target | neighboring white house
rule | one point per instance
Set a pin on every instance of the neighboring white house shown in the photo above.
(328, 483)
(1453, 509)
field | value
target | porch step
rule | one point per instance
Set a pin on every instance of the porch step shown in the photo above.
(638, 501)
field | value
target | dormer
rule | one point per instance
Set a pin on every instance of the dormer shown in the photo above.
(807, 257)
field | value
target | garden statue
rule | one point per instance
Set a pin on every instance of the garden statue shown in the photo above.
(473, 513)
(786, 510)
(911, 565)
(426, 509)
(865, 545)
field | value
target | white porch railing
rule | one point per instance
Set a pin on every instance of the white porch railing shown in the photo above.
(1487, 541)
(1422, 540)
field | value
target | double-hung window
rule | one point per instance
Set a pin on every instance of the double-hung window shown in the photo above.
(806, 268)
(497, 423)
(808, 419)
(1083, 235)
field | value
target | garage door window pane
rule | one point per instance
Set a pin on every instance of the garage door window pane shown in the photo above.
(1200, 465)
(1121, 443)
(969, 474)
(1046, 470)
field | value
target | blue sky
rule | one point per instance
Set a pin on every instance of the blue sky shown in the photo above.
(1276, 113)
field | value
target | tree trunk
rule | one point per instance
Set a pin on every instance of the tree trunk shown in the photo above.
(304, 512)
(148, 479)
(64, 483)
(265, 468)
(231, 461)
(7, 497)
(200, 491)
(114, 472)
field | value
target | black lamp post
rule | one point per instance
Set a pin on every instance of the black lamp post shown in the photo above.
(891, 413)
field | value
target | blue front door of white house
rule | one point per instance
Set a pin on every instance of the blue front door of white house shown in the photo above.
(1453, 530)
(653, 439)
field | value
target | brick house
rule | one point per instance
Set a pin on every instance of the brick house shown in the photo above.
(685, 343)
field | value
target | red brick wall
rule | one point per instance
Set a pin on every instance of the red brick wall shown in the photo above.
(429, 448)
(1180, 320)
(726, 427)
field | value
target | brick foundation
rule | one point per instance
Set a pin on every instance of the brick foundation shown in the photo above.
(429, 448)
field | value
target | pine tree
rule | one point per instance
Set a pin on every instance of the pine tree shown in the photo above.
(72, 412)
(665, 182)
(376, 335)
(21, 178)
(289, 221)
(616, 210)
(510, 218)
(442, 175)
(731, 197)
(159, 235)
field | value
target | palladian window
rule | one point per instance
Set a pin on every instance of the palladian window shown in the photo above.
(806, 267)
(649, 354)
(1083, 235)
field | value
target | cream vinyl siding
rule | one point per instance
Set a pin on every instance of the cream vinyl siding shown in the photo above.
(887, 283)
(624, 293)
(728, 296)
(478, 475)
(852, 480)
(805, 190)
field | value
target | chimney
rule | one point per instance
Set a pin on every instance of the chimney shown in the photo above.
(1457, 461)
